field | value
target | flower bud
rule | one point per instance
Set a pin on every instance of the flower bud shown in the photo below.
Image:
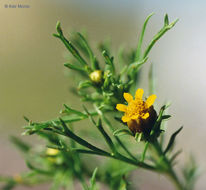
(52, 151)
(96, 76)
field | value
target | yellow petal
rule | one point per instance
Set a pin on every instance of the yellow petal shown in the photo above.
(145, 116)
(121, 107)
(135, 116)
(139, 93)
(125, 118)
(128, 97)
(150, 100)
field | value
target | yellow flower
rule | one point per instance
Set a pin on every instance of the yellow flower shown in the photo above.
(138, 113)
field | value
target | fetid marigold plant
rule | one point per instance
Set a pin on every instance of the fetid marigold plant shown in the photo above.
(104, 149)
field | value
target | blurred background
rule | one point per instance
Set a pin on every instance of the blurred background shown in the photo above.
(32, 80)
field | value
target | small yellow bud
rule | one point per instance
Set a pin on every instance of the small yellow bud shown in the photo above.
(18, 179)
(52, 152)
(96, 76)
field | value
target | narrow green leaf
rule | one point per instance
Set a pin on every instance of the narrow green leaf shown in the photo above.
(56, 147)
(89, 115)
(166, 116)
(50, 137)
(24, 147)
(5, 179)
(105, 45)
(73, 50)
(122, 170)
(124, 70)
(84, 151)
(94, 63)
(107, 82)
(56, 35)
(57, 180)
(139, 46)
(172, 24)
(163, 30)
(70, 134)
(172, 159)
(158, 121)
(108, 61)
(10, 185)
(166, 20)
(102, 131)
(72, 118)
(108, 123)
(93, 179)
(28, 132)
(74, 67)
(26, 119)
(58, 28)
(144, 151)
(85, 84)
(40, 171)
(106, 136)
(191, 173)
(70, 111)
(69, 45)
(172, 139)
(36, 127)
(120, 132)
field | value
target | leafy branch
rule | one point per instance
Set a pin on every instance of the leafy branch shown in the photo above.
(71, 139)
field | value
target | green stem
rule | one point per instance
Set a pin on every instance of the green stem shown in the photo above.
(138, 51)
(157, 37)
(175, 180)
(144, 152)
(135, 163)
(68, 133)
(84, 184)
(117, 138)
(166, 167)
(119, 157)
(125, 148)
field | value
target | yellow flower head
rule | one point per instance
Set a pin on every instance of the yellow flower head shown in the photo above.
(137, 108)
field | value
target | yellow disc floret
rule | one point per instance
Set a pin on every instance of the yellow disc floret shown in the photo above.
(137, 108)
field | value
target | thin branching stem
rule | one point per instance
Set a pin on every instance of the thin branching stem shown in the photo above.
(166, 167)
